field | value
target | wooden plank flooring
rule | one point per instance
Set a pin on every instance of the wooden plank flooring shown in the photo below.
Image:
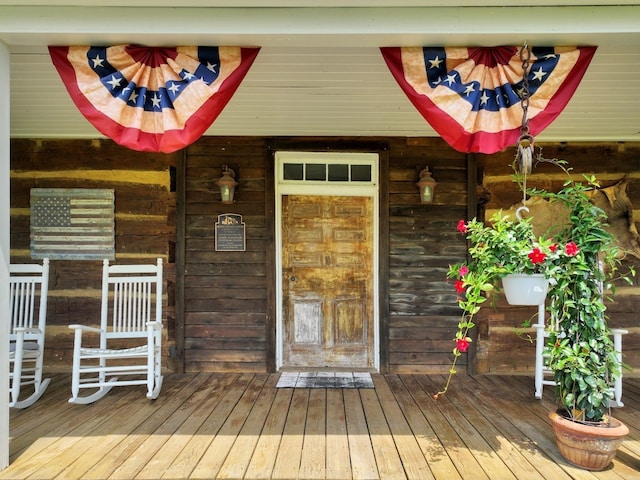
(207, 426)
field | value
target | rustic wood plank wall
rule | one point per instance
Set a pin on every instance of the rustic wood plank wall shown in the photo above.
(228, 316)
(227, 322)
(225, 293)
(499, 349)
(423, 242)
(144, 223)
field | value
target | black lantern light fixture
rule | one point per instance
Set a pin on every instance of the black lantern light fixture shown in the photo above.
(227, 184)
(427, 186)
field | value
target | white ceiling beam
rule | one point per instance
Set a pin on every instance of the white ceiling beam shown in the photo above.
(312, 3)
(317, 26)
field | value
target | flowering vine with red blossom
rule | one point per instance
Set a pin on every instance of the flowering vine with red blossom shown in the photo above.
(501, 246)
(581, 263)
(537, 256)
(571, 249)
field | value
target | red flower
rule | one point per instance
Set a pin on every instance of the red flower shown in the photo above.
(571, 249)
(537, 256)
(463, 271)
(462, 344)
(553, 247)
(459, 286)
(462, 227)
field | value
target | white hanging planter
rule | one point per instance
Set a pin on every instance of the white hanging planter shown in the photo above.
(525, 289)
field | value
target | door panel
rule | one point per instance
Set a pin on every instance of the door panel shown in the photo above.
(327, 281)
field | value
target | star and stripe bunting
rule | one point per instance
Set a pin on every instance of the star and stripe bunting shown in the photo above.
(155, 99)
(472, 96)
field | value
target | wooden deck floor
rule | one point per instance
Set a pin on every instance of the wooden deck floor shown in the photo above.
(209, 426)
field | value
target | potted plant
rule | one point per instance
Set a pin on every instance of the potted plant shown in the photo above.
(580, 261)
(580, 349)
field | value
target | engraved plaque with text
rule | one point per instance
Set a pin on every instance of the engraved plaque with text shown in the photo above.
(230, 233)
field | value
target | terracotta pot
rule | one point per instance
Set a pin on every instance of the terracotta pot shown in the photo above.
(588, 446)
(525, 289)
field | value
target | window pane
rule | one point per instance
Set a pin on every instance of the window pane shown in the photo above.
(360, 173)
(339, 173)
(293, 171)
(316, 171)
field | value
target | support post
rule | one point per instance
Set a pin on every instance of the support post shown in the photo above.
(5, 169)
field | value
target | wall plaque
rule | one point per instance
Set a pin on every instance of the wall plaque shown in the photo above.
(230, 233)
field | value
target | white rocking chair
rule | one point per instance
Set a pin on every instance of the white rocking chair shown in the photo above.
(129, 350)
(27, 334)
(543, 372)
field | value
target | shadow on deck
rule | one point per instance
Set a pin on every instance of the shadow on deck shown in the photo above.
(213, 425)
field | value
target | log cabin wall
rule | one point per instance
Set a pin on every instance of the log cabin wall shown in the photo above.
(423, 314)
(498, 348)
(229, 309)
(224, 301)
(144, 226)
(225, 295)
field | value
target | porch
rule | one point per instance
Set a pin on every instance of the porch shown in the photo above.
(241, 426)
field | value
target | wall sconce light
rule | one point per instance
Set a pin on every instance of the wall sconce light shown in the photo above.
(427, 186)
(227, 184)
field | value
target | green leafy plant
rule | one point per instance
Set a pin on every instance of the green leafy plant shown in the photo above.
(581, 352)
(496, 249)
(581, 262)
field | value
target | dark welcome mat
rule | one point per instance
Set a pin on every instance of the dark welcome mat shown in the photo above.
(325, 380)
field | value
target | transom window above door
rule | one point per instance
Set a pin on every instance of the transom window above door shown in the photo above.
(331, 172)
(326, 168)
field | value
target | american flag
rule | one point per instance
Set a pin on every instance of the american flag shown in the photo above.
(472, 96)
(72, 224)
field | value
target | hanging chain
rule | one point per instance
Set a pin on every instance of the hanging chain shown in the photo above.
(525, 58)
(524, 147)
(524, 152)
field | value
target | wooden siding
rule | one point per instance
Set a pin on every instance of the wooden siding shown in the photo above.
(228, 314)
(225, 293)
(222, 312)
(423, 241)
(144, 223)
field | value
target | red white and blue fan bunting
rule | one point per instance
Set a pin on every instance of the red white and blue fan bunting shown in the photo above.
(153, 99)
(471, 96)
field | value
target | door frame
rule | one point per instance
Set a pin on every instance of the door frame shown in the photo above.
(359, 189)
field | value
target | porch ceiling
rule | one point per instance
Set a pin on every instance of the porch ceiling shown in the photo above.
(320, 71)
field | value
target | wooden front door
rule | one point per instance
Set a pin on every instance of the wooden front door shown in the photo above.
(327, 281)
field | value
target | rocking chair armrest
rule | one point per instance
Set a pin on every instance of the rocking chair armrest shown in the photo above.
(155, 325)
(26, 330)
(85, 328)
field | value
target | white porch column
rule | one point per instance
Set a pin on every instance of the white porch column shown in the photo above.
(4, 254)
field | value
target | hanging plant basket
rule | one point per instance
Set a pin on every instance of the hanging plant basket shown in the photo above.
(525, 289)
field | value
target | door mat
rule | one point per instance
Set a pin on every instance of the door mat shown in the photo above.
(325, 380)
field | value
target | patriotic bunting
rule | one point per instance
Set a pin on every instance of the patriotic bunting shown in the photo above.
(153, 99)
(471, 96)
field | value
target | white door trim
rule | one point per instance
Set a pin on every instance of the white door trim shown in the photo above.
(360, 189)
